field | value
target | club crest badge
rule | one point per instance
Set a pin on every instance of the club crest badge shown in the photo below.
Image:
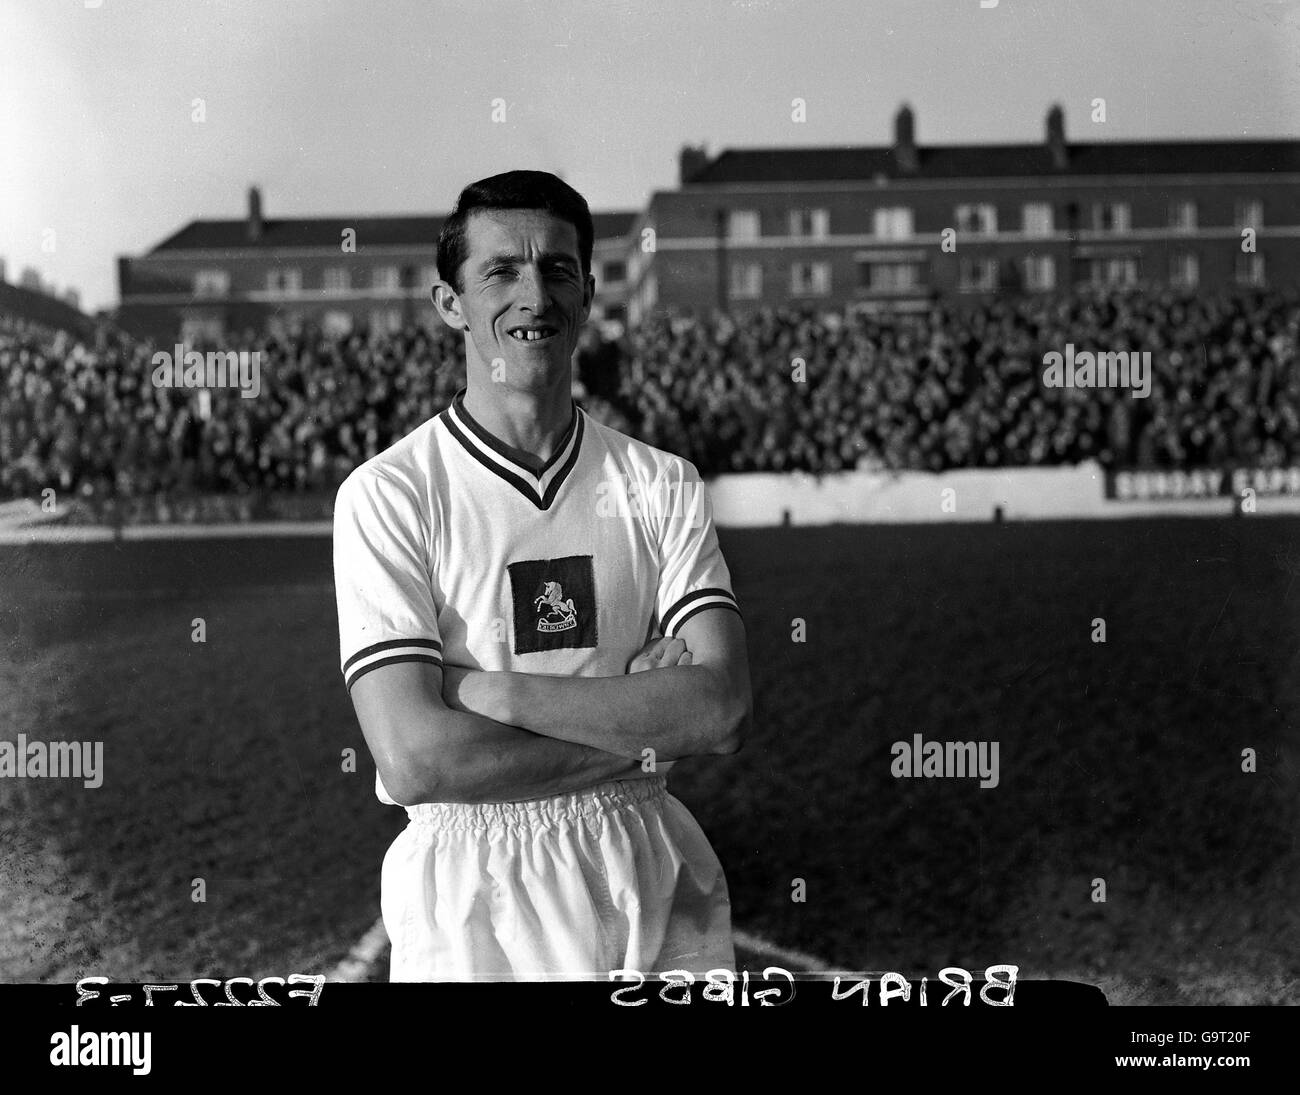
(560, 615)
(554, 603)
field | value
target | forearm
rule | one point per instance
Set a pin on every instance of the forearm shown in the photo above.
(470, 758)
(677, 712)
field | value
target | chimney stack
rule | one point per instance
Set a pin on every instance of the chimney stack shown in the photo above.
(254, 214)
(692, 160)
(1056, 138)
(905, 155)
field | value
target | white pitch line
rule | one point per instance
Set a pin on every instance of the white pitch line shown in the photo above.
(365, 956)
(796, 961)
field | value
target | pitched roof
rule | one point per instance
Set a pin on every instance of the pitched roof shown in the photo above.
(843, 164)
(326, 232)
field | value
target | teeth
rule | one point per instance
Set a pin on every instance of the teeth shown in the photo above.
(528, 336)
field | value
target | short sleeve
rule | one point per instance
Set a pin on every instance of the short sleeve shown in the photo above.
(693, 576)
(381, 577)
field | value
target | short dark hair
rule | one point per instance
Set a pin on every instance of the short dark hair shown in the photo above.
(512, 190)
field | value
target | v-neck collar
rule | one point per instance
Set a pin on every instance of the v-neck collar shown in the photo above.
(539, 487)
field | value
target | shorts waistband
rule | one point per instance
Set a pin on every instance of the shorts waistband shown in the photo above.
(599, 799)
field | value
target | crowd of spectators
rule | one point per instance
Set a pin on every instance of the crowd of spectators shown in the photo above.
(89, 418)
(956, 389)
(779, 390)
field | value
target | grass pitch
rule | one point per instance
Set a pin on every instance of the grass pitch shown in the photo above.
(1119, 761)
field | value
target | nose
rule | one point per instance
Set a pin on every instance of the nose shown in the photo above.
(533, 293)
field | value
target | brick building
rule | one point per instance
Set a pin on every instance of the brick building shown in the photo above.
(866, 225)
(218, 277)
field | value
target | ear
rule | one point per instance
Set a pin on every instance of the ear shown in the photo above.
(447, 301)
(588, 296)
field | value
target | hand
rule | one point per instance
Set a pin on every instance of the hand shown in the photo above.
(661, 653)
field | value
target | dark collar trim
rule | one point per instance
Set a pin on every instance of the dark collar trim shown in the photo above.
(527, 487)
(503, 451)
(563, 473)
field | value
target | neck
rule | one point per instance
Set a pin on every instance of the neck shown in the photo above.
(531, 422)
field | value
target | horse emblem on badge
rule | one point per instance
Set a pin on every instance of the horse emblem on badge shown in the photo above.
(561, 615)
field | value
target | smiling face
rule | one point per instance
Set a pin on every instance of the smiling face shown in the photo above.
(523, 296)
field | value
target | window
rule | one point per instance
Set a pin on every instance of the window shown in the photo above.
(1121, 272)
(1250, 269)
(1184, 270)
(810, 279)
(1110, 217)
(1040, 273)
(1110, 273)
(336, 279)
(1182, 216)
(892, 277)
(977, 274)
(386, 279)
(1249, 213)
(1037, 219)
(977, 220)
(615, 272)
(211, 283)
(810, 223)
(743, 224)
(285, 279)
(894, 223)
(746, 280)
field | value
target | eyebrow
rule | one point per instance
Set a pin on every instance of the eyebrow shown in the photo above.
(515, 260)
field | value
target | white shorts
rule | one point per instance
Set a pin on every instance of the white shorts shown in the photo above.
(568, 888)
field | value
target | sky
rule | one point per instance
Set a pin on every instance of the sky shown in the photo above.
(365, 108)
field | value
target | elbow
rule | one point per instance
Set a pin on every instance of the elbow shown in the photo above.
(404, 787)
(735, 729)
(417, 779)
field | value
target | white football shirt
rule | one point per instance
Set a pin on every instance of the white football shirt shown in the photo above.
(448, 549)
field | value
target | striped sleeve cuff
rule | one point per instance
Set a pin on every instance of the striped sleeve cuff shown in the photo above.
(688, 606)
(390, 653)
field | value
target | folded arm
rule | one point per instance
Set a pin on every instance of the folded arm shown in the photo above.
(688, 710)
(428, 752)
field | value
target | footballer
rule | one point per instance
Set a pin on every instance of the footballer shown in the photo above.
(526, 661)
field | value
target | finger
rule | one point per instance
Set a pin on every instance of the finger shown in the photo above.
(674, 650)
(685, 659)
